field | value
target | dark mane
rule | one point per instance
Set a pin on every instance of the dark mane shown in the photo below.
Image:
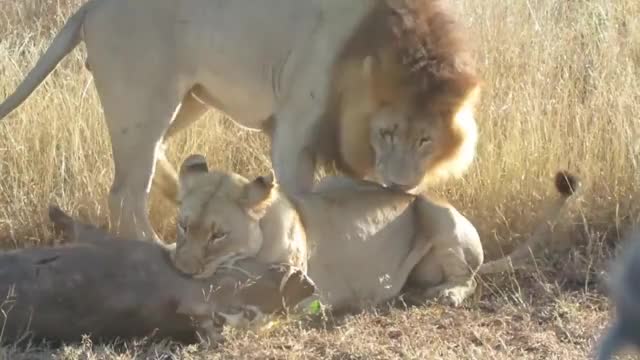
(426, 39)
(430, 42)
(424, 49)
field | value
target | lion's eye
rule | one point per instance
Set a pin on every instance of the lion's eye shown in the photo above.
(387, 135)
(217, 236)
(424, 141)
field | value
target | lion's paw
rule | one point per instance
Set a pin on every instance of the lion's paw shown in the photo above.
(450, 297)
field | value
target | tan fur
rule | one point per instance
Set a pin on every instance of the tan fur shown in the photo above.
(327, 79)
(408, 67)
(365, 241)
(223, 217)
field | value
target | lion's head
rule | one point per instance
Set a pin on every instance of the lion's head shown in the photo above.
(407, 82)
(219, 217)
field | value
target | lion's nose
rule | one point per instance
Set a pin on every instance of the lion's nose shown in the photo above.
(186, 267)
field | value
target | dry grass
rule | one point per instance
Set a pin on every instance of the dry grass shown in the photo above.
(561, 91)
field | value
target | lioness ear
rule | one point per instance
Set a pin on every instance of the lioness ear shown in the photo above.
(258, 195)
(193, 165)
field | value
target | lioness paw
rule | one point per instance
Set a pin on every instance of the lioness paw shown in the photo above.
(451, 298)
(450, 295)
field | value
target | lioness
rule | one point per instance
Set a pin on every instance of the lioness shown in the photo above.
(384, 89)
(364, 241)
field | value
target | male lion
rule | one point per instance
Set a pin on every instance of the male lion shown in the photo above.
(364, 241)
(384, 89)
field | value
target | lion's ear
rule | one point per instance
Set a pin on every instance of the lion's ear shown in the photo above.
(194, 164)
(259, 195)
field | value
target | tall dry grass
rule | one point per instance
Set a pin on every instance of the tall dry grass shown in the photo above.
(561, 91)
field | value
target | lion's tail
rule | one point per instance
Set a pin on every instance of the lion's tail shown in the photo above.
(66, 40)
(566, 185)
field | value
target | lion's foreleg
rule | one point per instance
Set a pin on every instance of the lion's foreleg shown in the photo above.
(294, 167)
(453, 292)
(296, 121)
(292, 157)
(292, 151)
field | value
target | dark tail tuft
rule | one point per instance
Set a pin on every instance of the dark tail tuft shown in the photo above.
(567, 183)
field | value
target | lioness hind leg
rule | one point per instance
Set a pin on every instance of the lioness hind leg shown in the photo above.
(165, 177)
(447, 272)
(445, 276)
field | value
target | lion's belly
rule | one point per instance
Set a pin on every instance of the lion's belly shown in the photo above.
(243, 51)
(247, 55)
(249, 105)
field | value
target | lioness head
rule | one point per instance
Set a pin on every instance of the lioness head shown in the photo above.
(219, 217)
(406, 82)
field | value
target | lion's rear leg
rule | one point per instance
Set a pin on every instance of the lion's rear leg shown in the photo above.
(137, 120)
(165, 177)
(129, 192)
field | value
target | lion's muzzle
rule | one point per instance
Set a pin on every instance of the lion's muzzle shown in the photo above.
(189, 265)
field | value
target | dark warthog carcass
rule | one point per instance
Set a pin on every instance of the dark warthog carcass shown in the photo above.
(113, 288)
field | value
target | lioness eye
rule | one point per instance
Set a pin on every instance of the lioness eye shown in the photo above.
(386, 134)
(424, 141)
(218, 235)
